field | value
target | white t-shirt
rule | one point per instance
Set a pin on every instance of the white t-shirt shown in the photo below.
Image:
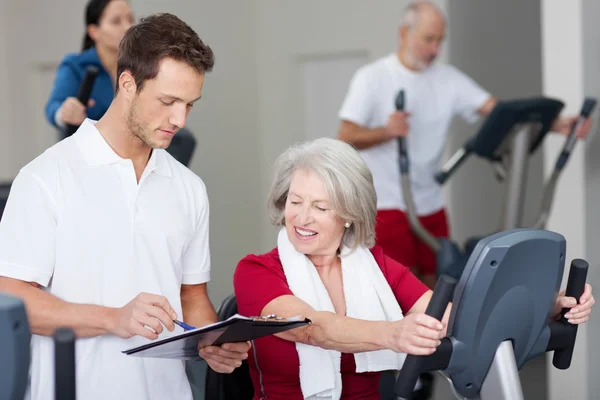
(78, 223)
(432, 97)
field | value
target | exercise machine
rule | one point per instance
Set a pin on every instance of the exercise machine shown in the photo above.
(15, 347)
(4, 191)
(83, 94)
(513, 131)
(500, 316)
(15, 340)
(487, 342)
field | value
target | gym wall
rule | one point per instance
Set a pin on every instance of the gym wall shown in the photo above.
(571, 61)
(5, 159)
(253, 104)
(506, 62)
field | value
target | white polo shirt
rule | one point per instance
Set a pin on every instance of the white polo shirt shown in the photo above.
(432, 97)
(78, 223)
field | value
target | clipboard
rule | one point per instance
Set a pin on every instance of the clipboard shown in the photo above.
(237, 328)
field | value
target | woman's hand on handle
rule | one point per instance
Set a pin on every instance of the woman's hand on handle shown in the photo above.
(578, 313)
(417, 334)
(72, 112)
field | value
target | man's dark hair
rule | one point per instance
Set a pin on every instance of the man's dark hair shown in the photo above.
(158, 37)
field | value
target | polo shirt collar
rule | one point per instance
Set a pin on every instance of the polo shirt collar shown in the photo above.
(96, 151)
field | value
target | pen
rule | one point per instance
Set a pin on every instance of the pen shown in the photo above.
(184, 325)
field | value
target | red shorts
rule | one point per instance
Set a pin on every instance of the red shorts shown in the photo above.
(393, 234)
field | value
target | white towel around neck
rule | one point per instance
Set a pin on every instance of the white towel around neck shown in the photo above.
(368, 297)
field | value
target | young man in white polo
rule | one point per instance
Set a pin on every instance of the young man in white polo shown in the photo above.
(106, 233)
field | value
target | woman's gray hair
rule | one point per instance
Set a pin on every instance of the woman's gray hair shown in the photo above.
(348, 181)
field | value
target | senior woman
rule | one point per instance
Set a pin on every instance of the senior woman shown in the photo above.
(367, 310)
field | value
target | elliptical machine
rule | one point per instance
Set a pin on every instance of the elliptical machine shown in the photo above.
(15, 338)
(499, 320)
(512, 132)
(500, 316)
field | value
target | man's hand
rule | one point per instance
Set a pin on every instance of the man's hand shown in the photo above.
(397, 125)
(145, 316)
(227, 357)
(564, 125)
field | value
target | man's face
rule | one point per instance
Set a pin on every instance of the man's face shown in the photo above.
(160, 109)
(422, 42)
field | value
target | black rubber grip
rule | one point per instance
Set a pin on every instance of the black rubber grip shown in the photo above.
(575, 287)
(414, 365)
(442, 295)
(400, 103)
(588, 106)
(85, 91)
(577, 278)
(586, 110)
(441, 177)
(403, 156)
(64, 364)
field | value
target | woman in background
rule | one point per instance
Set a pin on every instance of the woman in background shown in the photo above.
(106, 24)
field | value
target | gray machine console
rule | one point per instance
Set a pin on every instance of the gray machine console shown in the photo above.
(499, 304)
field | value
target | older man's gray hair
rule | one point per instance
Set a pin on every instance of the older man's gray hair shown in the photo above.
(348, 181)
(412, 10)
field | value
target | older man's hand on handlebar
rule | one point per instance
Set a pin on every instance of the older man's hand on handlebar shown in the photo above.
(416, 334)
(397, 125)
(563, 125)
(578, 313)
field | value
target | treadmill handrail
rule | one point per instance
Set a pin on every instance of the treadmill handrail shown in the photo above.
(499, 124)
(413, 218)
(404, 165)
(550, 186)
(84, 93)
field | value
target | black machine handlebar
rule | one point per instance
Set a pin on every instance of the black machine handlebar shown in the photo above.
(85, 90)
(404, 163)
(64, 364)
(561, 341)
(564, 339)
(498, 127)
(586, 111)
(562, 159)
(400, 104)
(453, 163)
(414, 365)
